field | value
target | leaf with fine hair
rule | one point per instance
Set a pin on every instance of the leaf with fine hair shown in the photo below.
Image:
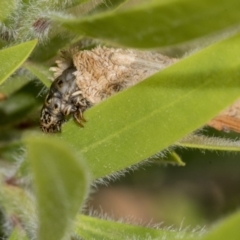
(197, 141)
(94, 228)
(6, 8)
(61, 183)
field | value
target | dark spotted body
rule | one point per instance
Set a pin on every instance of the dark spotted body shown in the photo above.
(64, 98)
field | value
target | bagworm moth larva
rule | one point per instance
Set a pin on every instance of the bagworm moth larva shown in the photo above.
(85, 78)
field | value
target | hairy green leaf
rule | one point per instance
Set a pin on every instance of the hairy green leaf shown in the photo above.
(13, 57)
(209, 143)
(145, 119)
(6, 8)
(170, 157)
(61, 184)
(158, 23)
(93, 228)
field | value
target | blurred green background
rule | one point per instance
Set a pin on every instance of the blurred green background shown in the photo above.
(206, 189)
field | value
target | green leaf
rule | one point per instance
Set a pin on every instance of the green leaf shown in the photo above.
(145, 119)
(169, 157)
(6, 8)
(93, 228)
(197, 141)
(61, 184)
(227, 229)
(158, 23)
(13, 57)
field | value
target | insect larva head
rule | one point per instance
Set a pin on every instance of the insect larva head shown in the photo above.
(58, 103)
(50, 122)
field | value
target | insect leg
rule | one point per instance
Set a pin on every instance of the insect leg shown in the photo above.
(78, 117)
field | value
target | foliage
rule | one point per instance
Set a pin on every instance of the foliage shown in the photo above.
(120, 132)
